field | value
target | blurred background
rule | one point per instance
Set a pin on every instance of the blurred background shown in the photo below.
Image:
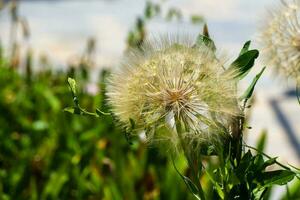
(48, 154)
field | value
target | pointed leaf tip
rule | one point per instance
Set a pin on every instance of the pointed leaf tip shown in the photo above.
(248, 93)
(245, 47)
(205, 30)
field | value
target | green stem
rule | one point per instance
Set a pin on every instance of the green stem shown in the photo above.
(180, 130)
(278, 163)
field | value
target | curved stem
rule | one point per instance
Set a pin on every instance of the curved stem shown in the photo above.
(278, 163)
(180, 130)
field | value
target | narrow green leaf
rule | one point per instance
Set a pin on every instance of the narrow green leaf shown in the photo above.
(216, 185)
(248, 93)
(260, 145)
(190, 185)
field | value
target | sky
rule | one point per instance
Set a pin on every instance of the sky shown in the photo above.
(71, 23)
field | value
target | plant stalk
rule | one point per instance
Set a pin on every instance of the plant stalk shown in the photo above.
(180, 130)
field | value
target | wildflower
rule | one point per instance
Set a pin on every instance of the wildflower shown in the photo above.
(280, 39)
(172, 82)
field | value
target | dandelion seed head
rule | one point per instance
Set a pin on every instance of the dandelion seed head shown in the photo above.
(280, 39)
(170, 79)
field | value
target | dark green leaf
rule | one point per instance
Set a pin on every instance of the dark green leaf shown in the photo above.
(245, 47)
(269, 162)
(208, 150)
(258, 163)
(278, 177)
(245, 163)
(243, 64)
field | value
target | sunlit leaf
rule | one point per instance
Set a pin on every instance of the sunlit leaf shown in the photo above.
(72, 110)
(72, 84)
(261, 141)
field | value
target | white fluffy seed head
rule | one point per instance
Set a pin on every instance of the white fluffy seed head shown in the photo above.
(171, 80)
(280, 39)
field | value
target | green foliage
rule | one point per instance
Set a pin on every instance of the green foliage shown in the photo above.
(151, 10)
(249, 91)
(189, 183)
(77, 109)
(293, 191)
(261, 143)
(136, 37)
(237, 174)
(197, 19)
(249, 179)
(46, 153)
(243, 64)
(204, 39)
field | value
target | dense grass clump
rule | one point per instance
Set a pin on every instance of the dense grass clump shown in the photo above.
(48, 154)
